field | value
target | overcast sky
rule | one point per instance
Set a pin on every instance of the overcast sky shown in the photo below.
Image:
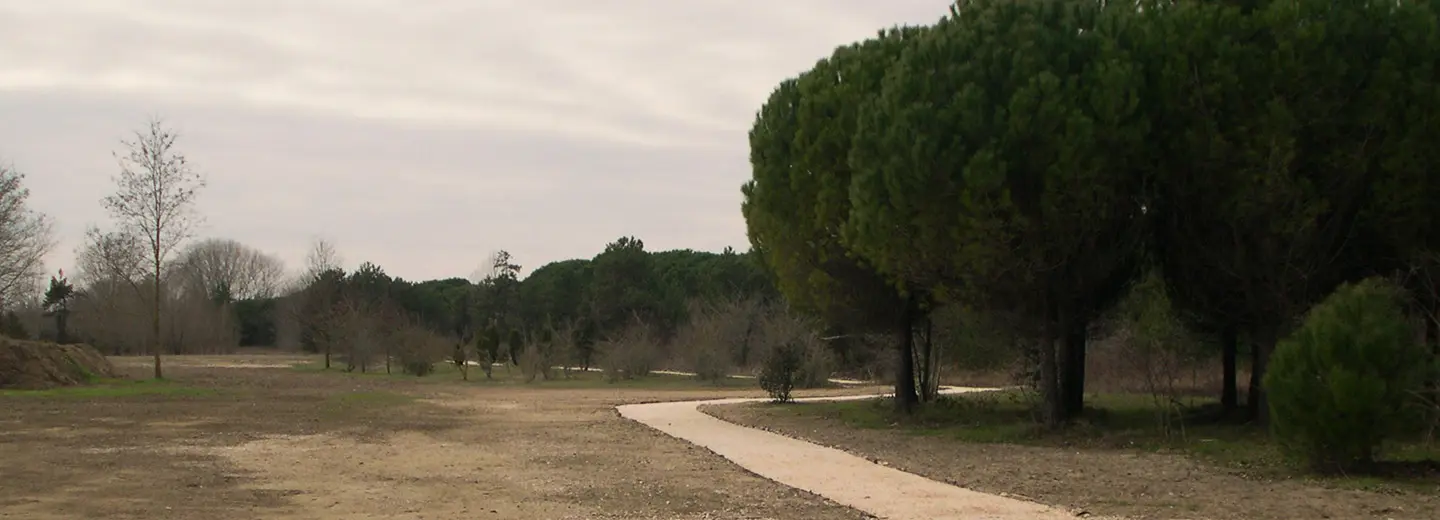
(419, 135)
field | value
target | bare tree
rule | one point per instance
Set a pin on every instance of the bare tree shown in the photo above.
(109, 280)
(322, 257)
(241, 271)
(25, 237)
(364, 329)
(631, 353)
(115, 289)
(781, 329)
(153, 201)
(316, 315)
(195, 322)
(114, 256)
(721, 336)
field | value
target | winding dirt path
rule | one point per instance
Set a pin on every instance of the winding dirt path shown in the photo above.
(847, 479)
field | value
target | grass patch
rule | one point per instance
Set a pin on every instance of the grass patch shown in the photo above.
(113, 388)
(1111, 422)
(360, 403)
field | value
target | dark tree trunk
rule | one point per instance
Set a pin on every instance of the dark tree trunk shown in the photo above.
(1052, 406)
(905, 397)
(932, 378)
(1435, 335)
(1229, 352)
(1258, 407)
(1052, 331)
(1432, 337)
(1252, 395)
(61, 335)
(155, 319)
(1072, 375)
(924, 362)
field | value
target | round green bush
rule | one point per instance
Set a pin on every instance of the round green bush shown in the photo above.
(1340, 385)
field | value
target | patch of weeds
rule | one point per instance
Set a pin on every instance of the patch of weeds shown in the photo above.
(369, 404)
(114, 388)
(85, 374)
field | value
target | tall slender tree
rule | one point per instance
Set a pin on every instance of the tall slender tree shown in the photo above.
(154, 201)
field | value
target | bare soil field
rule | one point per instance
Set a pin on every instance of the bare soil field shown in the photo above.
(229, 437)
(1131, 482)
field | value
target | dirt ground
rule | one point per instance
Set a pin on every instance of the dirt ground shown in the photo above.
(251, 438)
(1101, 482)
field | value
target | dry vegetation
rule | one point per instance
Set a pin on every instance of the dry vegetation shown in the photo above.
(246, 437)
(32, 365)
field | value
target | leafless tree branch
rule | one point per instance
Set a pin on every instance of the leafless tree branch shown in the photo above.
(26, 236)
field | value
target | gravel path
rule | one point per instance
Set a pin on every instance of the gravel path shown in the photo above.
(839, 476)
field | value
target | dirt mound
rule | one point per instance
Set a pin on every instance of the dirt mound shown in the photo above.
(35, 365)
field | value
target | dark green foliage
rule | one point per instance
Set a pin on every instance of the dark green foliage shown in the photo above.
(482, 314)
(624, 286)
(444, 306)
(1339, 386)
(487, 345)
(514, 342)
(57, 304)
(780, 372)
(799, 200)
(1202, 55)
(604, 293)
(1285, 134)
(257, 322)
(557, 290)
(370, 283)
(689, 275)
(318, 301)
(1003, 163)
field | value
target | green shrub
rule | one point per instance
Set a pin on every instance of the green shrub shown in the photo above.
(1340, 385)
(781, 370)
